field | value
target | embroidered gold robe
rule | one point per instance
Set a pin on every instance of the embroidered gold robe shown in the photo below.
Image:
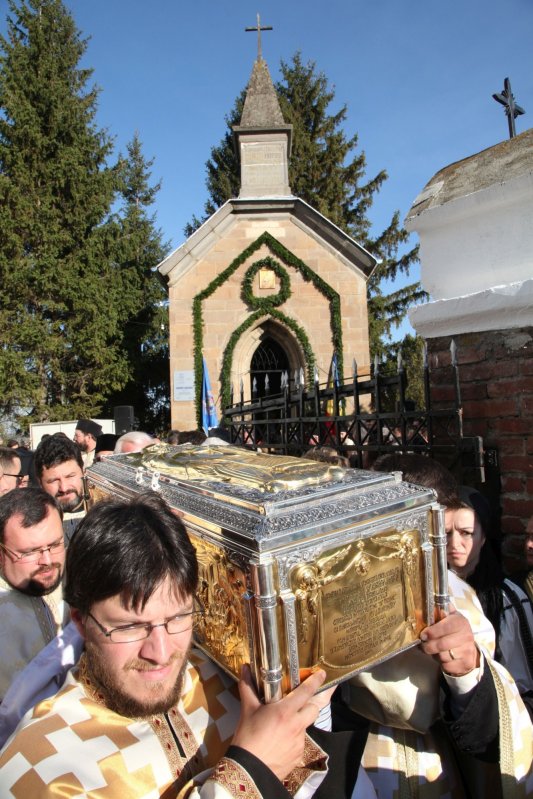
(72, 745)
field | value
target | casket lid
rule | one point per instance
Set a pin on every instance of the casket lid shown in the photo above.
(262, 500)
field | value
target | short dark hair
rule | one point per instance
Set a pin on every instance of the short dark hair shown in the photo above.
(128, 549)
(31, 503)
(195, 437)
(54, 450)
(7, 457)
(421, 470)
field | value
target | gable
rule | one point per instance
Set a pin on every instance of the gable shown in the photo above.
(221, 224)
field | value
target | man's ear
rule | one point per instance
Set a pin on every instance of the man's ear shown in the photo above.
(79, 621)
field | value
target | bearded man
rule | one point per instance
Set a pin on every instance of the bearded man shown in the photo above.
(32, 558)
(59, 471)
(144, 714)
(85, 437)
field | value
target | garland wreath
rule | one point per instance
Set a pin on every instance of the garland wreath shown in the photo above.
(272, 300)
(263, 306)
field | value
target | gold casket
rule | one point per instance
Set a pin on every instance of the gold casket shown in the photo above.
(302, 564)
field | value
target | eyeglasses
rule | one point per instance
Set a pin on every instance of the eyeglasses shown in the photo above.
(19, 476)
(137, 632)
(33, 555)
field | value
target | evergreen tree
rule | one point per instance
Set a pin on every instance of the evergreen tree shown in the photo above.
(326, 171)
(59, 298)
(411, 350)
(144, 309)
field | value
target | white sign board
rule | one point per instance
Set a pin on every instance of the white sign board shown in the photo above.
(184, 386)
(39, 429)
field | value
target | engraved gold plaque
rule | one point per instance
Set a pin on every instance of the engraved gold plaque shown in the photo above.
(358, 603)
(301, 565)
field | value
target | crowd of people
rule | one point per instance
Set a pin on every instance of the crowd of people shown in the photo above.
(103, 693)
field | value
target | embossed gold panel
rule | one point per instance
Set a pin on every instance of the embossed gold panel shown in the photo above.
(359, 603)
(221, 587)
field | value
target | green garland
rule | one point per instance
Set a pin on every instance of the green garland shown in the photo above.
(227, 359)
(290, 260)
(265, 304)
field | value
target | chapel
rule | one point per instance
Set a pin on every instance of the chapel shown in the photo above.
(267, 285)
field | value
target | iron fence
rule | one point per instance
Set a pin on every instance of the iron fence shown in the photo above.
(362, 418)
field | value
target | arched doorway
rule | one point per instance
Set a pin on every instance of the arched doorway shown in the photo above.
(289, 357)
(268, 363)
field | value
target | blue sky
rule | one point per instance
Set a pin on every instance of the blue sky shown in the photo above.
(417, 77)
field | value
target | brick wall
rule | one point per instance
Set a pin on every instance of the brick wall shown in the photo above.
(496, 380)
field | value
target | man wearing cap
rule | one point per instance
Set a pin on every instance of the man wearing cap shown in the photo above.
(85, 437)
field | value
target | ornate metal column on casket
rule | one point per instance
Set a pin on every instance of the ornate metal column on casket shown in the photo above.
(301, 564)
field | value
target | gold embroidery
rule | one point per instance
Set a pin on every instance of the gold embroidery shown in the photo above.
(45, 618)
(314, 760)
(50, 612)
(235, 779)
(203, 691)
(176, 762)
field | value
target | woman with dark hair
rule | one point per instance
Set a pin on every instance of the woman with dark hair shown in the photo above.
(473, 554)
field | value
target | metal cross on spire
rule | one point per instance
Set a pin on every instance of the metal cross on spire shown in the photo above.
(258, 28)
(512, 110)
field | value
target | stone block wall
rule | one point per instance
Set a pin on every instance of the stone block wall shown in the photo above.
(225, 310)
(496, 381)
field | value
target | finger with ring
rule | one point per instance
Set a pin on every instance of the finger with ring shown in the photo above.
(451, 654)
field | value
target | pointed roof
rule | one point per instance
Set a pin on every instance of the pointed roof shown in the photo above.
(263, 140)
(261, 105)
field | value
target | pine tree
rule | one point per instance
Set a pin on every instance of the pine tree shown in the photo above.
(326, 171)
(411, 351)
(59, 301)
(144, 309)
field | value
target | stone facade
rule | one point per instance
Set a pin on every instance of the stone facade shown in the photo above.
(316, 256)
(225, 310)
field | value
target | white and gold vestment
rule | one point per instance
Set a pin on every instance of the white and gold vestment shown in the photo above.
(408, 754)
(72, 745)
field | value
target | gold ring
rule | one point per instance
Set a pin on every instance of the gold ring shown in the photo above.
(451, 654)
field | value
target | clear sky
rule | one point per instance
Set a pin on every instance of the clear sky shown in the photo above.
(417, 77)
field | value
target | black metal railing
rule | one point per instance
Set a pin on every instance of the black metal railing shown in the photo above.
(367, 416)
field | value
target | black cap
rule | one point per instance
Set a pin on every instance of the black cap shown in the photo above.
(89, 427)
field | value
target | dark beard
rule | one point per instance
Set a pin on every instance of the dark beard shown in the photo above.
(72, 505)
(124, 704)
(35, 588)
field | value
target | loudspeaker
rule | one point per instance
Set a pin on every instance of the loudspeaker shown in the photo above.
(123, 419)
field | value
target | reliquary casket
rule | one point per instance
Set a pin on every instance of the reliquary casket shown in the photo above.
(302, 564)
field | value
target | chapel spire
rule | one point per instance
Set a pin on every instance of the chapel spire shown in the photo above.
(263, 139)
